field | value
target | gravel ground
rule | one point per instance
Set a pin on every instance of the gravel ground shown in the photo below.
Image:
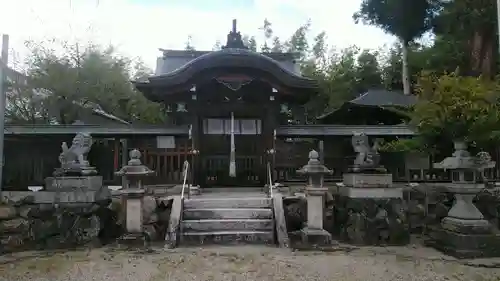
(244, 263)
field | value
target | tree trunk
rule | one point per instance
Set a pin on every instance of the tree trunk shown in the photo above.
(406, 71)
(482, 54)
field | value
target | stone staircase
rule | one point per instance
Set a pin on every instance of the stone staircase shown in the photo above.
(227, 220)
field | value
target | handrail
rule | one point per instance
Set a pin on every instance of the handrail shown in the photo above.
(185, 170)
(269, 176)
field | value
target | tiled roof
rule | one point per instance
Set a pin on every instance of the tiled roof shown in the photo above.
(382, 98)
(385, 98)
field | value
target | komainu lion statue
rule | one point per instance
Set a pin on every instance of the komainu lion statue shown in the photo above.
(367, 157)
(75, 156)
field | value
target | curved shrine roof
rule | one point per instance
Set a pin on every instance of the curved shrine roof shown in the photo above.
(234, 58)
(229, 58)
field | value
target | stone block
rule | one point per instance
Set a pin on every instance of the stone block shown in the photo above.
(7, 212)
(64, 183)
(227, 225)
(315, 209)
(462, 245)
(315, 237)
(227, 203)
(228, 238)
(134, 239)
(240, 213)
(370, 220)
(367, 180)
(370, 192)
(194, 190)
(77, 195)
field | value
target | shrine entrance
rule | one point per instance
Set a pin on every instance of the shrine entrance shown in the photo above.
(216, 147)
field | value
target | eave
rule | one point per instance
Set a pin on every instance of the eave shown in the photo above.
(343, 130)
(97, 130)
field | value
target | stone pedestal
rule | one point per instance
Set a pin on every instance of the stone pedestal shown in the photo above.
(464, 245)
(194, 190)
(465, 233)
(369, 211)
(367, 180)
(72, 182)
(132, 200)
(314, 233)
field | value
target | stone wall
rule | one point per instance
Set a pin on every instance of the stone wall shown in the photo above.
(384, 221)
(26, 225)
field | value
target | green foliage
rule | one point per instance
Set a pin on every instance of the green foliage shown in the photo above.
(368, 71)
(250, 42)
(452, 107)
(62, 84)
(404, 19)
(189, 44)
(298, 42)
(415, 144)
(471, 26)
(277, 46)
(464, 17)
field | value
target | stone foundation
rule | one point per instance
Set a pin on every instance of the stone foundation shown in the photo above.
(27, 225)
(47, 227)
(464, 245)
(71, 182)
(370, 216)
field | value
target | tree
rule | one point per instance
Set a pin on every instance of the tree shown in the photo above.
(320, 48)
(60, 84)
(217, 46)
(406, 20)
(368, 71)
(268, 33)
(451, 108)
(472, 27)
(249, 42)
(277, 46)
(189, 44)
(252, 44)
(298, 41)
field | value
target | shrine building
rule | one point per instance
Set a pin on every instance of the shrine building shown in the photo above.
(230, 116)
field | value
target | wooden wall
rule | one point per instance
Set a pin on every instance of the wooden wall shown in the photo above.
(167, 162)
(29, 160)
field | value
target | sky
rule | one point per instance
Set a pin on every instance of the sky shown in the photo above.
(137, 28)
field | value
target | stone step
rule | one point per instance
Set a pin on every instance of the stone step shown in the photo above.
(227, 213)
(227, 237)
(227, 225)
(207, 203)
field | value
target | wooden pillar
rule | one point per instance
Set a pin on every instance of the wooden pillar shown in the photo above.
(116, 154)
(116, 158)
(270, 123)
(196, 133)
(124, 159)
(321, 147)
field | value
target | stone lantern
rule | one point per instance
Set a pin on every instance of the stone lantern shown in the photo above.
(133, 194)
(314, 233)
(464, 232)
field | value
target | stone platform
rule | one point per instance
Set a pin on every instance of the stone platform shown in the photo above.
(72, 182)
(369, 211)
(464, 245)
(227, 218)
(367, 180)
